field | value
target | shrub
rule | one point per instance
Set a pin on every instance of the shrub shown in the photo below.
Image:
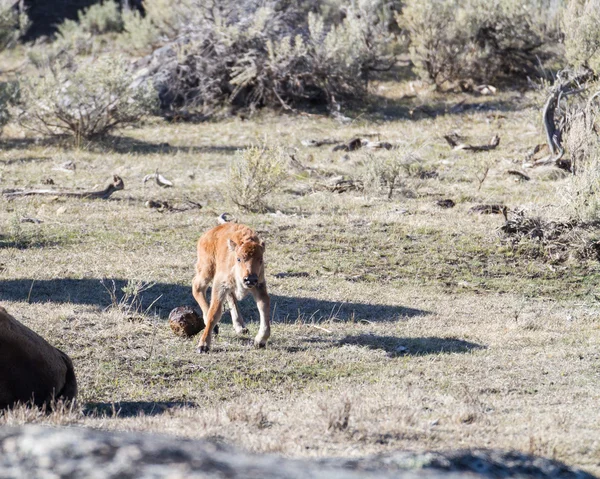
(583, 144)
(81, 36)
(581, 24)
(472, 41)
(86, 99)
(13, 23)
(253, 174)
(384, 172)
(254, 54)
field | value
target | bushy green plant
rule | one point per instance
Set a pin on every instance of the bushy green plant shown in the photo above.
(472, 41)
(583, 146)
(384, 172)
(81, 36)
(259, 53)
(581, 25)
(13, 23)
(254, 173)
(85, 99)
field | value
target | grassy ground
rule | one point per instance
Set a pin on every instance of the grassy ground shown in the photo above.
(409, 326)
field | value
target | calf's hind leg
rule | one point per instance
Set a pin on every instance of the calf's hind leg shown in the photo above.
(199, 287)
(236, 315)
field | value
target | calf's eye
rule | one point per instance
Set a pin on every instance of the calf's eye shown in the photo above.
(239, 260)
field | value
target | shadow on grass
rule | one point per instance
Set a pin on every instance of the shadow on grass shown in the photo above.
(132, 408)
(126, 144)
(386, 109)
(399, 346)
(162, 297)
(113, 143)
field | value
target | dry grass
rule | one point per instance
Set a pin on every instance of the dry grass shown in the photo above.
(411, 326)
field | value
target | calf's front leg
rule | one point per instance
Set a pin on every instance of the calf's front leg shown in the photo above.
(213, 317)
(263, 302)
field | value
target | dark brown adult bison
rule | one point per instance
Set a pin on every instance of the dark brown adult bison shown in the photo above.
(31, 370)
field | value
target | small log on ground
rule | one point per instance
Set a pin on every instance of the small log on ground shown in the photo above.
(116, 185)
(317, 143)
(493, 209)
(519, 175)
(494, 142)
(340, 184)
(352, 145)
(447, 203)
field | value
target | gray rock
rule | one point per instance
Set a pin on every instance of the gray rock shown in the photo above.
(47, 453)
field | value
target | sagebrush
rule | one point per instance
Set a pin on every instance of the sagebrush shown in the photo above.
(85, 99)
(255, 54)
(84, 35)
(581, 26)
(471, 42)
(254, 173)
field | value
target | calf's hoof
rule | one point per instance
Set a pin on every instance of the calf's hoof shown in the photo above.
(244, 331)
(259, 345)
(202, 349)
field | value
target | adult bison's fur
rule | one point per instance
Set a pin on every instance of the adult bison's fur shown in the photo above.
(231, 257)
(31, 370)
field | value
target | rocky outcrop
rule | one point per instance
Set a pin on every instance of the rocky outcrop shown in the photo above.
(36, 451)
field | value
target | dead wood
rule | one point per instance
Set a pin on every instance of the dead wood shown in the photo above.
(166, 207)
(159, 179)
(535, 227)
(352, 145)
(317, 143)
(519, 175)
(30, 219)
(340, 184)
(299, 274)
(447, 203)
(358, 143)
(493, 209)
(494, 142)
(567, 83)
(538, 152)
(377, 145)
(116, 185)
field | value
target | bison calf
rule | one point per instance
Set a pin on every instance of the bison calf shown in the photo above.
(30, 368)
(231, 256)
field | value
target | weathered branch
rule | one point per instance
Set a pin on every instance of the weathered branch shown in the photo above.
(494, 142)
(116, 185)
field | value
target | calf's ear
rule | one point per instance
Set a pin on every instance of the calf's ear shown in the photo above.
(231, 245)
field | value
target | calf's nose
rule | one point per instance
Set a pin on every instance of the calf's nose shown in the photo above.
(251, 280)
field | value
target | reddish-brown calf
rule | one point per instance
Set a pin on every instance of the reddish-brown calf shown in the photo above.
(231, 257)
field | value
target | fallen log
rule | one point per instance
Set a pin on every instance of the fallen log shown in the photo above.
(116, 185)
(519, 175)
(493, 209)
(494, 142)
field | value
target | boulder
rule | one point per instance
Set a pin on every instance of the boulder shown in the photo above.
(36, 451)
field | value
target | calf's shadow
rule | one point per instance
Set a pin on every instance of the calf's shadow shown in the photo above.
(162, 297)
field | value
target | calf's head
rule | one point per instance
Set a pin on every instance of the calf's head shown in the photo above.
(248, 261)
